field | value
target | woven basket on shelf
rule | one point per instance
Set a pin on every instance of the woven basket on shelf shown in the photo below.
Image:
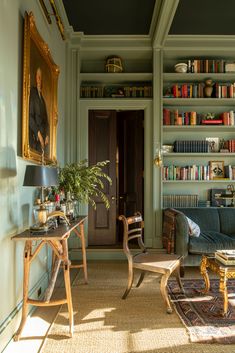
(113, 64)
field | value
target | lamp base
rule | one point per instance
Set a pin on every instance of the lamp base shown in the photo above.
(37, 228)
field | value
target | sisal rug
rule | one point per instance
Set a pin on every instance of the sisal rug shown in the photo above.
(202, 313)
(104, 323)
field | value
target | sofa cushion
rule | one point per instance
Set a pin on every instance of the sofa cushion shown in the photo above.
(206, 218)
(210, 241)
(227, 220)
(194, 229)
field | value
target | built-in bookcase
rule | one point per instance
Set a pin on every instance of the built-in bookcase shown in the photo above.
(184, 108)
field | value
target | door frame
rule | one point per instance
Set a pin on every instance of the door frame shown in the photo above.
(149, 175)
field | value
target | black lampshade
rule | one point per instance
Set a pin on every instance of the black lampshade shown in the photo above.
(37, 175)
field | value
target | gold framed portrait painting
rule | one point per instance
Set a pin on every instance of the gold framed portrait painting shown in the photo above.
(39, 108)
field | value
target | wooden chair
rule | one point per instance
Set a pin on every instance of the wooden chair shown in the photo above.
(163, 264)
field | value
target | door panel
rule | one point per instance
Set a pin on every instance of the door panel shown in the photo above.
(131, 163)
(102, 146)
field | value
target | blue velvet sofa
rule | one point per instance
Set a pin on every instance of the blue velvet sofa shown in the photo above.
(217, 232)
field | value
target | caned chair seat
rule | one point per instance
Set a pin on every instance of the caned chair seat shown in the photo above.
(163, 264)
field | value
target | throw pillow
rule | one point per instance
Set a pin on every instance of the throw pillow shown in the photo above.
(194, 229)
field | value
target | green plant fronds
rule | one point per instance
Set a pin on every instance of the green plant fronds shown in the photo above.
(86, 183)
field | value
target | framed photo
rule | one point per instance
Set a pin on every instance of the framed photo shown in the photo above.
(39, 106)
(214, 144)
(216, 169)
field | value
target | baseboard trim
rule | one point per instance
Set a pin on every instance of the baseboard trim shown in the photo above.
(42, 282)
(105, 254)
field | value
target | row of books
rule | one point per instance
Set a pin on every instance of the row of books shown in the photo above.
(227, 257)
(228, 118)
(191, 146)
(195, 172)
(174, 117)
(135, 91)
(91, 92)
(189, 172)
(180, 201)
(224, 90)
(186, 90)
(229, 172)
(116, 92)
(206, 65)
(230, 145)
(196, 90)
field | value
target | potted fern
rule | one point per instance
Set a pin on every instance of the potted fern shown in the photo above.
(84, 182)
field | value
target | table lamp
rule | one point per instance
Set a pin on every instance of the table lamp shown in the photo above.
(41, 176)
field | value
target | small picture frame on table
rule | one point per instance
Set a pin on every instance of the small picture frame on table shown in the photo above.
(216, 170)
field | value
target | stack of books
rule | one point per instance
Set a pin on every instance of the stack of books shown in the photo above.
(227, 257)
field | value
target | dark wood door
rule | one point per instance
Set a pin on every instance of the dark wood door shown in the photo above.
(102, 146)
(131, 161)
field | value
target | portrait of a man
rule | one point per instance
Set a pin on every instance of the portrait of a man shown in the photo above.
(38, 116)
(39, 108)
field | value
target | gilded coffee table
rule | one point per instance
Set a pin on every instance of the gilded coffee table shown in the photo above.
(224, 271)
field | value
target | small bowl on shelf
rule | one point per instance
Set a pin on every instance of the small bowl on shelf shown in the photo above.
(181, 67)
(167, 149)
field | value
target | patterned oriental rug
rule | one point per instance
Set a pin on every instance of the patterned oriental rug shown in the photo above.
(201, 313)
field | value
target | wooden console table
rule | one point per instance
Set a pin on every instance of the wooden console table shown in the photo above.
(57, 239)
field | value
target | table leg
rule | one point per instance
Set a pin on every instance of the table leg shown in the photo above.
(27, 252)
(83, 252)
(66, 266)
(163, 288)
(81, 236)
(204, 273)
(223, 289)
(177, 274)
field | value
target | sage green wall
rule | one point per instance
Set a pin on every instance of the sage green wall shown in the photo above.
(15, 200)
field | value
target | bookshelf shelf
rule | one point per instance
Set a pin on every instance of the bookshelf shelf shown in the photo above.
(203, 155)
(191, 128)
(116, 85)
(102, 99)
(197, 77)
(112, 78)
(227, 181)
(197, 102)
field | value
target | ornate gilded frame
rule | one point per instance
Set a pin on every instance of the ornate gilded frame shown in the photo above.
(37, 55)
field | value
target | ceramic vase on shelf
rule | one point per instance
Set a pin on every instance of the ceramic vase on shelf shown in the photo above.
(208, 89)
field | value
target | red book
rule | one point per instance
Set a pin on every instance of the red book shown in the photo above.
(212, 121)
(225, 118)
(166, 117)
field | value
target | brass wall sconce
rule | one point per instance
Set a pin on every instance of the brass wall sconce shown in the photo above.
(158, 156)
